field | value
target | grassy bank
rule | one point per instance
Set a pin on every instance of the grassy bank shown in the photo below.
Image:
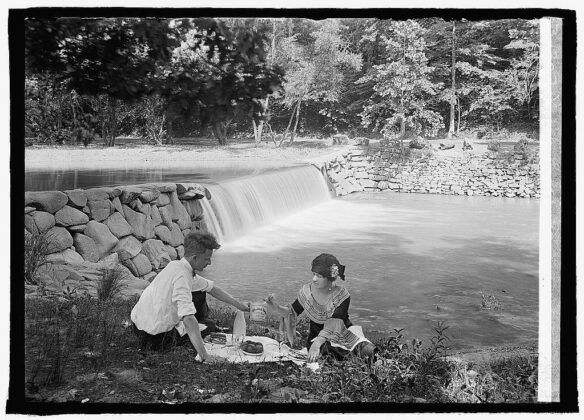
(82, 349)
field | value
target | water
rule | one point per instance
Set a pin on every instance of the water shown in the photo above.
(412, 260)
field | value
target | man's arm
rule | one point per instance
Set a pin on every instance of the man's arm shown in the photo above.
(223, 296)
(192, 328)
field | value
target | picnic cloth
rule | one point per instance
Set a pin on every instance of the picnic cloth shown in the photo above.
(273, 351)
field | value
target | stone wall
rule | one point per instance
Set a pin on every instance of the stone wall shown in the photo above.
(366, 169)
(139, 229)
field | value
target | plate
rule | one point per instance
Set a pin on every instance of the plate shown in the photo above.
(251, 354)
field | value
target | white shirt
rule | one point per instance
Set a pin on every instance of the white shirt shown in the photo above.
(168, 298)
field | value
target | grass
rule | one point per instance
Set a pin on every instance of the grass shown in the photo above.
(83, 348)
(36, 248)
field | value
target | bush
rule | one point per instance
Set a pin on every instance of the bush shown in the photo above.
(35, 255)
(111, 284)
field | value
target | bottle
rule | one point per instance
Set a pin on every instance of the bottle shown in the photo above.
(239, 329)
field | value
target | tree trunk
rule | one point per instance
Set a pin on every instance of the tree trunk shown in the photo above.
(402, 128)
(289, 125)
(296, 123)
(458, 122)
(110, 125)
(453, 85)
(219, 131)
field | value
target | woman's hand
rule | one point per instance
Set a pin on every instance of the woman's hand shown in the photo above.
(314, 352)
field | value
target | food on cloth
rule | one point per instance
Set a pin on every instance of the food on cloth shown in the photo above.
(216, 338)
(252, 347)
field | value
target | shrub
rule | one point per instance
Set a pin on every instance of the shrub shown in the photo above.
(35, 256)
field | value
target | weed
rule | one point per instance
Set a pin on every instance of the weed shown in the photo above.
(111, 284)
(35, 255)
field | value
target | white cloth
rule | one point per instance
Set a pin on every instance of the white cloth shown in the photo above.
(168, 298)
(273, 352)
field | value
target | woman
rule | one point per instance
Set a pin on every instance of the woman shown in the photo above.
(326, 304)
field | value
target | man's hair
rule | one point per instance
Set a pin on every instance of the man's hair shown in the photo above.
(199, 242)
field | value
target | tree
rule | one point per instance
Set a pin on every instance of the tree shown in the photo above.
(402, 85)
(315, 68)
(116, 58)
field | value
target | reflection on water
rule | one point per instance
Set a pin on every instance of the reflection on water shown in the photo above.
(412, 260)
(206, 172)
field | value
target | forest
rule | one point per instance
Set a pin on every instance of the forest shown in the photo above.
(95, 79)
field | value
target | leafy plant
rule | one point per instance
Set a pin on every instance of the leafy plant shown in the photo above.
(36, 248)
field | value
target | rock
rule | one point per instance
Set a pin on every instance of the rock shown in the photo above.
(156, 217)
(150, 276)
(49, 201)
(165, 215)
(118, 225)
(43, 220)
(112, 192)
(70, 216)
(117, 204)
(149, 194)
(129, 194)
(97, 194)
(28, 209)
(162, 232)
(100, 210)
(176, 235)
(86, 247)
(163, 200)
(76, 198)
(59, 239)
(185, 232)
(139, 265)
(142, 227)
(171, 252)
(146, 209)
(105, 241)
(178, 212)
(156, 252)
(77, 228)
(193, 208)
(127, 376)
(67, 256)
(128, 247)
(180, 251)
(135, 204)
(29, 225)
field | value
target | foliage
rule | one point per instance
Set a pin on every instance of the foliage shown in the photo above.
(36, 248)
(402, 87)
(111, 284)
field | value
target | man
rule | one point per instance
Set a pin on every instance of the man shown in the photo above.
(165, 314)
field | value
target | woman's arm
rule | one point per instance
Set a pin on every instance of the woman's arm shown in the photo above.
(223, 296)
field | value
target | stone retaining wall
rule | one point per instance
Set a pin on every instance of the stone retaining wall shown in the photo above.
(361, 169)
(139, 228)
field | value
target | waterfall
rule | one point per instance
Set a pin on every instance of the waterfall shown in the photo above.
(240, 205)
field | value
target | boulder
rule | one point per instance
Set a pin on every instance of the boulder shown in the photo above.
(86, 247)
(129, 194)
(156, 252)
(49, 201)
(128, 247)
(77, 228)
(28, 209)
(117, 204)
(43, 220)
(68, 256)
(118, 225)
(146, 209)
(171, 251)
(178, 212)
(135, 204)
(139, 265)
(100, 210)
(192, 191)
(59, 239)
(165, 215)
(149, 194)
(77, 198)
(156, 217)
(163, 200)
(194, 208)
(180, 251)
(97, 194)
(70, 216)
(29, 225)
(142, 226)
(112, 192)
(162, 232)
(104, 239)
(150, 276)
(177, 237)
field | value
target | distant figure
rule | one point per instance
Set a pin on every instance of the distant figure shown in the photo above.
(170, 308)
(327, 305)
(466, 146)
